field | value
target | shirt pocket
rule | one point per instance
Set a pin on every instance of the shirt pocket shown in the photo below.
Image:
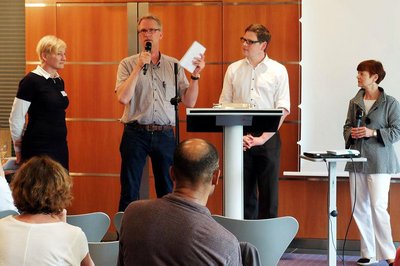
(169, 92)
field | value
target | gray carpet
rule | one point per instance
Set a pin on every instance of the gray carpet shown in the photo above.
(292, 259)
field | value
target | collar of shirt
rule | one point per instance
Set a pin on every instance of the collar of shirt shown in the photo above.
(262, 64)
(41, 72)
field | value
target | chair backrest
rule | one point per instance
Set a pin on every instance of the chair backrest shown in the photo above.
(6, 213)
(104, 253)
(117, 220)
(270, 236)
(94, 225)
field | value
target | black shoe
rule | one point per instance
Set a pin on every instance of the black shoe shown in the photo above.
(365, 261)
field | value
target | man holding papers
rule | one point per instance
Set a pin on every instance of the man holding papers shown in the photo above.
(262, 83)
(145, 85)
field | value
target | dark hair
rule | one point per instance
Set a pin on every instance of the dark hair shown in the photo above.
(263, 34)
(372, 67)
(41, 185)
(195, 161)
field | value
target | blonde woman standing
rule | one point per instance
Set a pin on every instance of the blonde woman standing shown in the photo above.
(42, 97)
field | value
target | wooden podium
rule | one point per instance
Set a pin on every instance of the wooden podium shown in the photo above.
(232, 122)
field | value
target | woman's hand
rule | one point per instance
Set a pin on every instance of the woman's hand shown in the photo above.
(361, 132)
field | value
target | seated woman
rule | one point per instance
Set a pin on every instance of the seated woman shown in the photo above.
(40, 235)
(6, 200)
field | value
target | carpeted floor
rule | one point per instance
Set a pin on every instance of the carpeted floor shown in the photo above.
(297, 259)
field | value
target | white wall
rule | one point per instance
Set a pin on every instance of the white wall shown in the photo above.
(336, 36)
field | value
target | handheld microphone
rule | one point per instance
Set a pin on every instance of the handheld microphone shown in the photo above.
(359, 116)
(147, 48)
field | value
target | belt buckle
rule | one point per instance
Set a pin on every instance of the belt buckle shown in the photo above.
(149, 128)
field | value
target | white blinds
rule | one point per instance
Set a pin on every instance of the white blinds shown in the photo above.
(12, 53)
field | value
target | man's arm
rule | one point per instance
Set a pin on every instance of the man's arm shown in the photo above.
(126, 89)
(250, 141)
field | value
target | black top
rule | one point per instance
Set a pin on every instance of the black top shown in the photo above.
(46, 114)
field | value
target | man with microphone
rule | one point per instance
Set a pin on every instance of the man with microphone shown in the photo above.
(145, 85)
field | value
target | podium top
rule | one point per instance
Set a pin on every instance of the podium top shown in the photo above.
(215, 119)
(234, 111)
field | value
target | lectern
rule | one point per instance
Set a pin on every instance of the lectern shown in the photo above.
(232, 122)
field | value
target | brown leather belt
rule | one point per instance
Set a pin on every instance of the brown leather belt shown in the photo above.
(151, 127)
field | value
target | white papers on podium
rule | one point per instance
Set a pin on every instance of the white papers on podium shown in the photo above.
(194, 51)
(344, 152)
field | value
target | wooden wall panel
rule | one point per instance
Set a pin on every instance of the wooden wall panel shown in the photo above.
(93, 33)
(290, 148)
(294, 86)
(394, 199)
(307, 201)
(94, 147)
(262, 2)
(100, 193)
(91, 92)
(282, 20)
(39, 21)
(193, 23)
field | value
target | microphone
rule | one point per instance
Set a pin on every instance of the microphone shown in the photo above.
(359, 116)
(147, 48)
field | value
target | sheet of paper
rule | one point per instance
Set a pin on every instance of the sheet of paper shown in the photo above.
(194, 51)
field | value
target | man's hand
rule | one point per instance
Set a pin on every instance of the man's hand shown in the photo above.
(200, 63)
(144, 58)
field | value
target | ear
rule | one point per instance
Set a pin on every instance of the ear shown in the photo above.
(215, 177)
(44, 56)
(171, 173)
(376, 76)
(161, 35)
(264, 46)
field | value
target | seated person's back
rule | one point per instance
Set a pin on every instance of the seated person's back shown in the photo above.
(40, 235)
(178, 229)
(53, 243)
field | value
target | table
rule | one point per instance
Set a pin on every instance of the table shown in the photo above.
(332, 212)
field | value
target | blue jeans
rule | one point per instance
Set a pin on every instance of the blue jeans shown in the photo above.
(136, 145)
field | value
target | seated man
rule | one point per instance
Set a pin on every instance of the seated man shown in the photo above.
(178, 229)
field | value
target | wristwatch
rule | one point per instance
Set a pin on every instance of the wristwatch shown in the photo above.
(195, 78)
(375, 134)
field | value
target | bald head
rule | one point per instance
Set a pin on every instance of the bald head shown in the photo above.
(195, 161)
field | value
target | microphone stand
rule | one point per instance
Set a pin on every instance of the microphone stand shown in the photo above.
(175, 101)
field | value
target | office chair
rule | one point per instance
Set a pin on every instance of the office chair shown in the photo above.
(118, 220)
(104, 253)
(6, 213)
(94, 225)
(271, 237)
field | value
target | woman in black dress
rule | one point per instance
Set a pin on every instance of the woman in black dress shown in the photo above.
(41, 95)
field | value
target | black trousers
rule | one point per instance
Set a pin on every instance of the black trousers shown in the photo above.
(261, 174)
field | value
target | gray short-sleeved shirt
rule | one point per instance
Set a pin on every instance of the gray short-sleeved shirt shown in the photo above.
(174, 231)
(150, 103)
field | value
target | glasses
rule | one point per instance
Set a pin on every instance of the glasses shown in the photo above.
(247, 41)
(149, 31)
